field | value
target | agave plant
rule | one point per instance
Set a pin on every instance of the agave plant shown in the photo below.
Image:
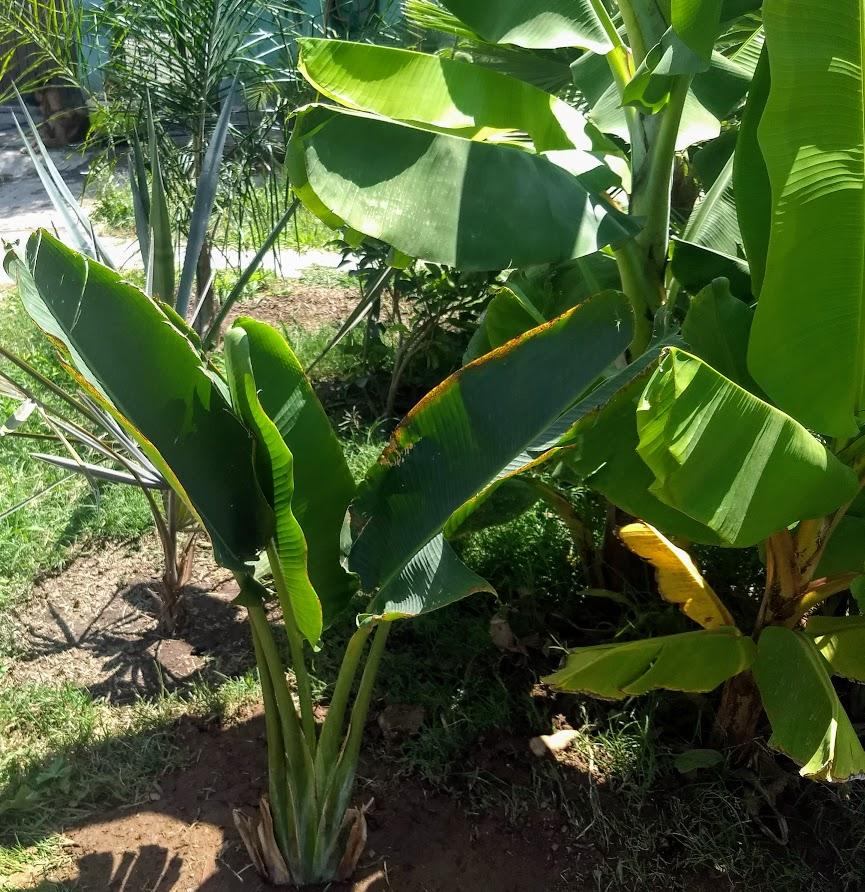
(120, 460)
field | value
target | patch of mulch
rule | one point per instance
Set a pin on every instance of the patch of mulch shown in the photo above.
(96, 624)
(308, 306)
(419, 841)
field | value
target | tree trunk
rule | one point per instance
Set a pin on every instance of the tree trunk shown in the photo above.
(738, 714)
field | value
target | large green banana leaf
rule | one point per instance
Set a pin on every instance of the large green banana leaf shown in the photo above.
(274, 463)
(730, 460)
(468, 204)
(841, 641)
(532, 297)
(473, 101)
(809, 723)
(697, 22)
(432, 579)
(127, 352)
(692, 661)
(535, 24)
(601, 450)
(808, 342)
(323, 485)
(717, 327)
(461, 435)
(751, 179)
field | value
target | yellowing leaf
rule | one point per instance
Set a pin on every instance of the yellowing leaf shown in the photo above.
(679, 580)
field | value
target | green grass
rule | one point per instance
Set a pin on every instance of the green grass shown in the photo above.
(41, 535)
(66, 755)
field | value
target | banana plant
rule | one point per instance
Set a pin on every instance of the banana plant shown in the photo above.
(726, 424)
(252, 454)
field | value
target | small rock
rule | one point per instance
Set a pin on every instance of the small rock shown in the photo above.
(401, 720)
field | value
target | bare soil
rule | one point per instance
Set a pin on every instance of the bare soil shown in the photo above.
(96, 624)
(418, 841)
(307, 306)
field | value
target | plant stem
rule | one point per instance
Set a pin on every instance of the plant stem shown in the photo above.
(643, 290)
(301, 770)
(331, 733)
(653, 182)
(644, 25)
(295, 643)
(277, 778)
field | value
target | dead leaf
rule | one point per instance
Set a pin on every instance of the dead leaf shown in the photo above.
(355, 820)
(503, 636)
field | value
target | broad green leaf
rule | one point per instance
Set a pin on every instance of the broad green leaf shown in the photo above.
(679, 580)
(697, 22)
(649, 88)
(323, 485)
(713, 221)
(841, 641)
(439, 92)
(809, 723)
(696, 267)
(716, 328)
(126, 351)
(460, 436)
(499, 503)
(751, 178)
(433, 578)
(693, 662)
(531, 297)
(729, 460)
(601, 450)
(274, 467)
(722, 86)
(808, 343)
(535, 24)
(444, 198)
(845, 550)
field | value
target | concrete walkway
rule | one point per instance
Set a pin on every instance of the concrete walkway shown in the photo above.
(25, 207)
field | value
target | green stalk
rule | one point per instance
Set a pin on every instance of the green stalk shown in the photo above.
(277, 779)
(338, 792)
(644, 292)
(644, 25)
(651, 197)
(301, 770)
(331, 733)
(295, 642)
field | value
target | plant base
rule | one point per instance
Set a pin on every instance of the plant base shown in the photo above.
(257, 836)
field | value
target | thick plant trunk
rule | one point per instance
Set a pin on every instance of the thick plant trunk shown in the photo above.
(738, 714)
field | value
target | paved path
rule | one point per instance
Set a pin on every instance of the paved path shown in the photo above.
(24, 207)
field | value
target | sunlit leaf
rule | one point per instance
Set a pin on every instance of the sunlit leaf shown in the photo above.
(809, 723)
(730, 460)
(679, 580)
(693, 661)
